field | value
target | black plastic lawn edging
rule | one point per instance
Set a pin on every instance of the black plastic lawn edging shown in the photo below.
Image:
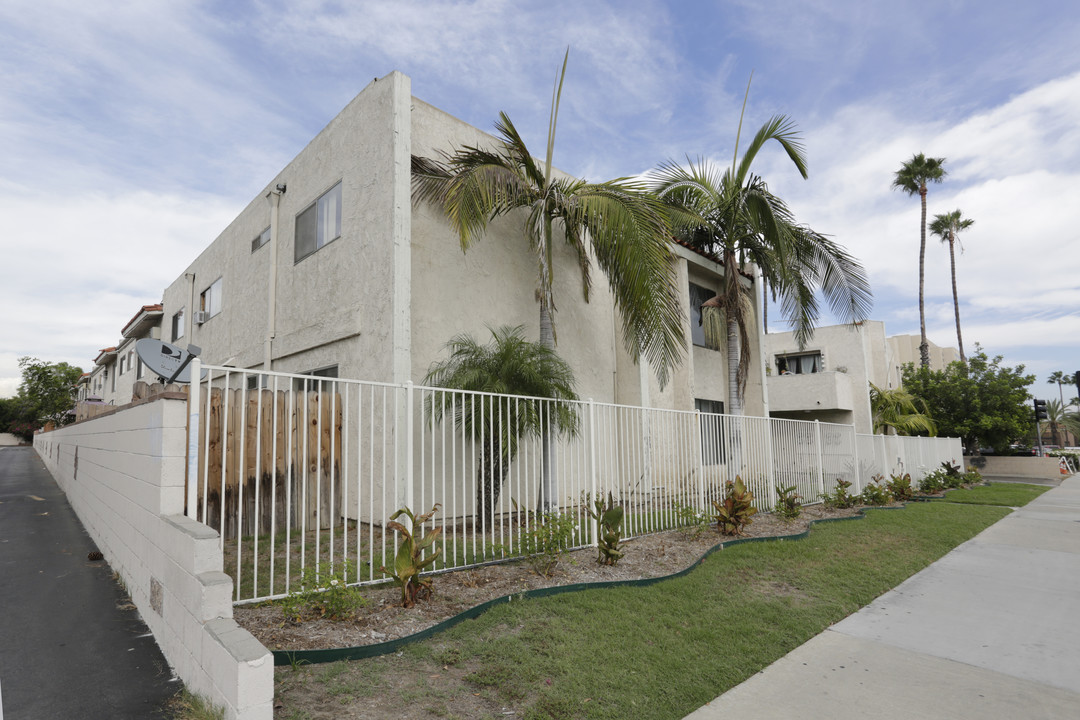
(360, 652)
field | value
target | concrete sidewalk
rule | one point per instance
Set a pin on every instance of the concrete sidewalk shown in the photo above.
(992, 630)
(71, 644)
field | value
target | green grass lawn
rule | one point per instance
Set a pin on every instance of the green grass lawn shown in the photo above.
(1004, 494)
(659, 651)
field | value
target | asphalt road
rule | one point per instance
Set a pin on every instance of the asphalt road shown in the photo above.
(71, 645)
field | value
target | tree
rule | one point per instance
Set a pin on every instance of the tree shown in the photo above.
(982, 402)
(508, 365)
(912, 178)
(898, 410)
(946, 227)
(1062, 378)
(48, 390)
(16, 419)
(1055, 419)
(623, 228)
(734, 216)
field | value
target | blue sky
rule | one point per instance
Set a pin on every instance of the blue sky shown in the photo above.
(133, 132)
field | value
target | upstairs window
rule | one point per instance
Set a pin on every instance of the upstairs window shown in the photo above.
(319, 224)
(210, 299)
(698, 295)
(178, 325)
(801, 364)
(260, 240)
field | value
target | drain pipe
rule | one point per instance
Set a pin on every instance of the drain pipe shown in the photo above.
(274, 197)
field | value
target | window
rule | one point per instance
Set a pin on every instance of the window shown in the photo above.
(698, 295)
(712, 430)
(319, 224)
(801, 364)
(330, 371)
(178, 325)
(121, 365)
(260, 240)
(210, 300)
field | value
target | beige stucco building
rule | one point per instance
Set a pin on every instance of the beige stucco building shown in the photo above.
(829, 378)
(333, 270)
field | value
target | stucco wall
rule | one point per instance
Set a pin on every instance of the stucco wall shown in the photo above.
(1023, 467)
(123, 474)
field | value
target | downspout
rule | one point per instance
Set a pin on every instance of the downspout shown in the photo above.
(274, 198)
(759, 300)
(189, 316)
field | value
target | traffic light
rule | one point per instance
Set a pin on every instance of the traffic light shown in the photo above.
(1040, 410)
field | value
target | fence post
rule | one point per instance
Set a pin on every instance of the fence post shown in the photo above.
(409, 428)
(701, 461)
(593, 527)
(855, 453)
(770, 468)
(820, 461)
(193, 437)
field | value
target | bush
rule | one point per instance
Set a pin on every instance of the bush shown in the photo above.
(934, 482)
(899, 486)
(609, 526)
(324, 594)
(690, 522)
(841, 498)
(736, 510)
(788, 506)
(545, 541)
(876, 494)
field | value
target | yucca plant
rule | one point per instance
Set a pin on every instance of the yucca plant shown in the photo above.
(736, 510)
(609, 526)
(410, 559)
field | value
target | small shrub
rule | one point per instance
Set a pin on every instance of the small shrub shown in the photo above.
(841, 498)
(899, 486)
(973, 477)
(545, 541)
(788, 506)
(690, 522)
(934, 482)
(410, 559)
(876, 494)
(736, 510)
(609, 526)
(323, 594)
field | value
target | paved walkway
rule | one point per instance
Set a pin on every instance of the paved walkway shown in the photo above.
(992, 630)
(71, 646)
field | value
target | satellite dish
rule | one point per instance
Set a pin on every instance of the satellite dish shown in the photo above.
(168, 361)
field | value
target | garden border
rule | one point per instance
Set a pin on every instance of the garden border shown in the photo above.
(361, 652)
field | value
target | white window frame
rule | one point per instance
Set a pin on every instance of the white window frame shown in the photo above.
(210, 299)
(177, 330)
(318, 225)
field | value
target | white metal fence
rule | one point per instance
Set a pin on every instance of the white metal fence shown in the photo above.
(303, 473)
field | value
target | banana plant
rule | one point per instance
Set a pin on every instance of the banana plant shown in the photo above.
(609, 526)
(410, 561)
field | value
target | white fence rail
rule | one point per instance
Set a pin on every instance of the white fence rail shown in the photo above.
(301, 473)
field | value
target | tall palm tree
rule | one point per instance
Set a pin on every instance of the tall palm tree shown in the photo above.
(898, 410)
(508, 365)
(947, 227)
(1055, 418)
(734, 215)
(912, 178)
(1061, 378)
(623, 228)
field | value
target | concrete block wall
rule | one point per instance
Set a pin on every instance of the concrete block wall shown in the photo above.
(124, 476)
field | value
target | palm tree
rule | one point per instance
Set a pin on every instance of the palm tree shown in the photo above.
(617, 223)
(947, 227)
(912, 178)
(508, 365)
(622, 227)
(1055, 418)
(1061, 378)
(898, 410)
(734, 216)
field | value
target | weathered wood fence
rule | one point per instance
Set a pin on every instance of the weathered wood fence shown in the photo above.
(264, 454)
